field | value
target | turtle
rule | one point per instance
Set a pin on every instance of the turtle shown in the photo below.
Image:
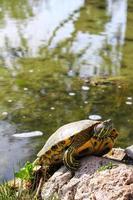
(76, 139)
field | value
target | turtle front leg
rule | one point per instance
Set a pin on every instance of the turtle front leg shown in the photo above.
(69, 159)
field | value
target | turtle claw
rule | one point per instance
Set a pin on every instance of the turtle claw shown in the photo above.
(74, 166)
(75, 163)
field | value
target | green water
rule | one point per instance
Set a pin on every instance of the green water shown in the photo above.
(60, 62)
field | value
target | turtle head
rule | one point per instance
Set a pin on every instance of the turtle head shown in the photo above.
(103, 129)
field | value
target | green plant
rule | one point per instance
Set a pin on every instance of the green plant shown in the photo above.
(110, 165)
(26, 173)
(8, 193)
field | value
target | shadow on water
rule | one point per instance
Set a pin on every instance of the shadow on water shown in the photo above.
(62, 62)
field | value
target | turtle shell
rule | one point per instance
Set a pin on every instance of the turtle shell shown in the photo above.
(64, 133)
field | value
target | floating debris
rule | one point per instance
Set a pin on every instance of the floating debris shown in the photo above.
(28, 134)
(85, 88)
(128, 102)
(10, 100)
(4, 113)
(71, 93)
(85, 102)
(52, 108)
(129, 98)
(71, 73)
(31, 70)
(25, 89)
(119, 86)
(95, 117)
(43, 91)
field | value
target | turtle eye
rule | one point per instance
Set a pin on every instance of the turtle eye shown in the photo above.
(108, 121)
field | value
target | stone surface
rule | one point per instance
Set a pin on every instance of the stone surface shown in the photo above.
(129, 151)
(116, 154)
(92, 181)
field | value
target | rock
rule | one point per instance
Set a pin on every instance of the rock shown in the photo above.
(97, 179)
(116, 154)
(129, 151)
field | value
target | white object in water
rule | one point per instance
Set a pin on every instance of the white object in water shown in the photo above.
(85, 88)
(28, 134)
(72, 94)
(95, 117)
(129, 103)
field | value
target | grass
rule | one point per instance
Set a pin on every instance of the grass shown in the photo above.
(21, 188)
(9, 193)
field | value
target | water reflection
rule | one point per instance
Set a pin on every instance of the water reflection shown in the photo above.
(11, 151)
(104, 51)
(49, 46)
(53, 23)
(115, 31)
(31, 33)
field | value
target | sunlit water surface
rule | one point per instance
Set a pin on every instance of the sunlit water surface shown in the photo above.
(62, 61)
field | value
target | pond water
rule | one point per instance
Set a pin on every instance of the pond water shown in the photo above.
(62, 61)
